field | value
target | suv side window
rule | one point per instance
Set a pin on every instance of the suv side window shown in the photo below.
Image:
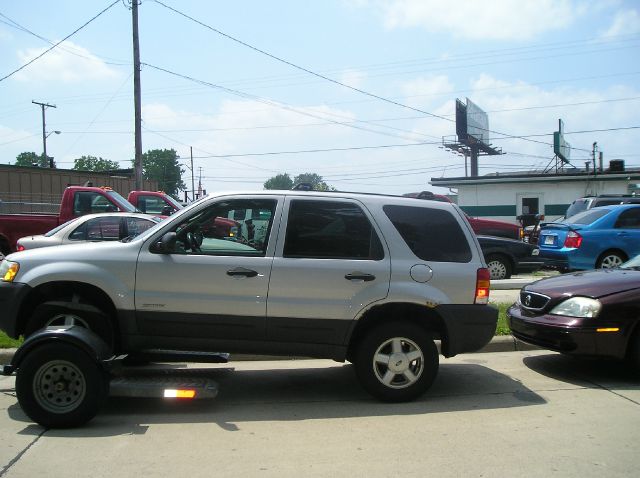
(431, 234)
(629, 219)
(214, 231)
(330, 230)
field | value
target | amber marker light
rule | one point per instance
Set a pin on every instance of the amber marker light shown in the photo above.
(608, 329)
(180, 393)
(9, 270)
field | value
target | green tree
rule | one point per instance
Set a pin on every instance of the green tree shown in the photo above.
(315, 180)
(91, 163)
(281, 181)
(162, 165)
(31, 159)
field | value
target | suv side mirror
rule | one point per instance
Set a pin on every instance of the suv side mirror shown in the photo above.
(166, 244)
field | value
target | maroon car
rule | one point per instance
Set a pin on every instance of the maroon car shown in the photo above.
(592, 313)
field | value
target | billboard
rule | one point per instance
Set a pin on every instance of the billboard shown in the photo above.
(471, 121)
(561, 148)
(461, 121)
(477, 122)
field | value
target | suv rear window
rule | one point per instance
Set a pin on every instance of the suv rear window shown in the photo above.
(431, 234)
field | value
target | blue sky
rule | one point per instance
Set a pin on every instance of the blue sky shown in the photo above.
(249, 116)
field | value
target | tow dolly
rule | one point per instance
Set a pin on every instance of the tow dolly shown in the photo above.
(65, 374)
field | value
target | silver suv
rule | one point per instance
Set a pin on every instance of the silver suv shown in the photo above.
(371, 279)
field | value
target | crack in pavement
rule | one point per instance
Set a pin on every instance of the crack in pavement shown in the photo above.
(21, 454)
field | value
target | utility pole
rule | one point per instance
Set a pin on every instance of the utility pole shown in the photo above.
(193, 187)
(44, 133)
(137, 165)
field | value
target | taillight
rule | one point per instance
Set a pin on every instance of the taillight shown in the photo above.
(573, 240)
(20, 247)
(483, 284)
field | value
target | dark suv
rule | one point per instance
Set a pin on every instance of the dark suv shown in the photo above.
(587, 202)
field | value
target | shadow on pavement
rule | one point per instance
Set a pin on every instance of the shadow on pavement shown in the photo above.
(585, 372)
(300, 394)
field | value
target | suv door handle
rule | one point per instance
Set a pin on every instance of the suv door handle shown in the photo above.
(360, 276)
(241, 271)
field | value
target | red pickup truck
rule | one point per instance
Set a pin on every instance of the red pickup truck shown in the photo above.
(154, 202)
(159, 202)
(76, 201)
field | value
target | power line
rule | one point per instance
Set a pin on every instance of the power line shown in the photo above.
(58, 43)
(298, 67)
(268, 101)
(16, 25)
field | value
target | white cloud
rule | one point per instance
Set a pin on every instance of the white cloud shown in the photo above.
(353, 78)
(498, 19)
(68, 63)
(420, 91)
(524, 109)
(624, 23)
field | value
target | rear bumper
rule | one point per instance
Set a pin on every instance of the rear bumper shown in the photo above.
(12, 295)
(469, 327)
(579, 338)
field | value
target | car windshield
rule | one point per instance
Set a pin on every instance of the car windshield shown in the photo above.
(122, 202)
(632, 263)
(174, 202)
(56, 229)
(587, 217)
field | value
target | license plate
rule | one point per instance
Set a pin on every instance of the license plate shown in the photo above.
(549, 240)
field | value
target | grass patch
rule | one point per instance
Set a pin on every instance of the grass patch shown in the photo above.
(7, 342)
(502, 328)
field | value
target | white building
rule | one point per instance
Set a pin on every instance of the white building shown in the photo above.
(506, 196)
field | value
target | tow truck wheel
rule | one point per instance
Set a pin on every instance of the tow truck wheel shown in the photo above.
(59, 386)
(396, 362)
(72, 313)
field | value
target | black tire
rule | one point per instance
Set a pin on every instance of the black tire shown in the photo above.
(610, 259)
(499, 267)
(71, 313)
(59, 386)
(414, 367)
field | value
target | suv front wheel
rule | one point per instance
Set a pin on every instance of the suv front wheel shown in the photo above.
(396, 362)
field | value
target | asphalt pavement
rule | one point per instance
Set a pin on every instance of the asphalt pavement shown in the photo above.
(525, 414)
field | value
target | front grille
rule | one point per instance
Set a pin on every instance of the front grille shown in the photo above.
(533, 301)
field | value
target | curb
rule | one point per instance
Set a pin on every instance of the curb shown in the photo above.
(500, 343)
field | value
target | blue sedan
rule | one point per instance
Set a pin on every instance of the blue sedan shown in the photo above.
(601, 237)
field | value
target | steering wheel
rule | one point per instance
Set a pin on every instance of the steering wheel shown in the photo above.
(194, 240)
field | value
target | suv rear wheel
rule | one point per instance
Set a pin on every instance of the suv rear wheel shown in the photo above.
(396, 362)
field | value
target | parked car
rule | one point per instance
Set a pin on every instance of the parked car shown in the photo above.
(92, 227)
(507, 256)
(594, 313)
(342, 276)
(587, 202)
(600, 237)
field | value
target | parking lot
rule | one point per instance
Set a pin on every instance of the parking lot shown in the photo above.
(533, 413)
